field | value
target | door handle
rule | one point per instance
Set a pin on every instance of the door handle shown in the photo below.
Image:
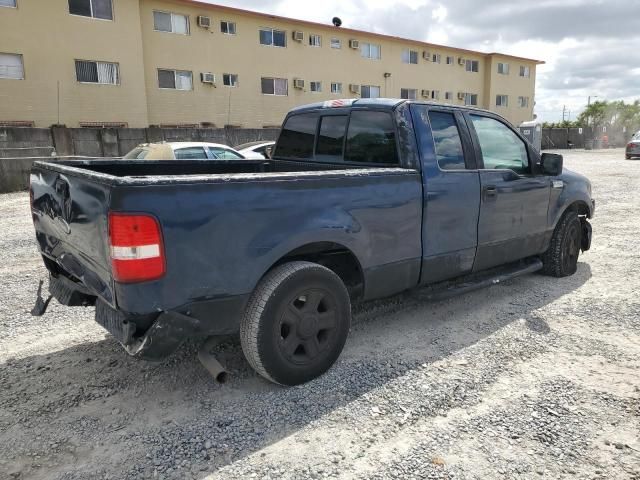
(490, 191)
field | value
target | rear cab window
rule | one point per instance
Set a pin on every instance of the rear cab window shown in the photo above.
(365, 137)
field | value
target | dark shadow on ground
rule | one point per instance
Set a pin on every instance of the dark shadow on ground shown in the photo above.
(93, 394)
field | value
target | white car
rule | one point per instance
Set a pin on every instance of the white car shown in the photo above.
(255, 150)
(183, 151)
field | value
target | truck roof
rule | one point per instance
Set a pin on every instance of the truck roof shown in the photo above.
(378, 103)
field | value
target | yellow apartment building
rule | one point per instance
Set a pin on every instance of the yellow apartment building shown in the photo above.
(137, 63)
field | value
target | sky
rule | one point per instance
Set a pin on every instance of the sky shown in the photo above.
(591, 47)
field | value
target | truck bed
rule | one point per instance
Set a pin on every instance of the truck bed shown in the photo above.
(224, 223)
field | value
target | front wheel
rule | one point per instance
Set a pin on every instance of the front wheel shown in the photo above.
(296, 323)
(561, 259)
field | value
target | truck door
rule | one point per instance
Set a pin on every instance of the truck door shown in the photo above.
(514, 201)
(451, 198)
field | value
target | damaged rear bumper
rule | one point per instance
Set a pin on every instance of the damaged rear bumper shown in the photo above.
(154, 336)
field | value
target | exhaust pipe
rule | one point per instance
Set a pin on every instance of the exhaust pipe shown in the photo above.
(210, 362)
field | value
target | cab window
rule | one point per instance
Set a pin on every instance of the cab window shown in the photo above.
(331, 138)
(371, 138)
(501, 147)
(446, 136)
(297, 137)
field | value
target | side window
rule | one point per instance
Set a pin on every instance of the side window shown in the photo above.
(501, 148)
(371, 138)
(224, 154)
(446, 137)
(331, 138)
(190, 153)
(297, 137)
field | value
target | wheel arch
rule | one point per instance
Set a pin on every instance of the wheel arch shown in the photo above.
(332, 255)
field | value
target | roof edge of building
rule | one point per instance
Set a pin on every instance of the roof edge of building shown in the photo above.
(253, 13)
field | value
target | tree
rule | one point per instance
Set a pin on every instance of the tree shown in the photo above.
(594, 115)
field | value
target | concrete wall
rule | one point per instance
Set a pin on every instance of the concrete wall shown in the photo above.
(50, 40)
(20, 147)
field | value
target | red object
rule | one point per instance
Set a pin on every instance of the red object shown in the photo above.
(136, 248)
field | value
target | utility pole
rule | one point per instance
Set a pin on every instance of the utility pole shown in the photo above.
(564, 111)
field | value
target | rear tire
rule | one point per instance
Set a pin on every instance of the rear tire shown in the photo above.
(628, 157)
(561, 259)
(296, 323)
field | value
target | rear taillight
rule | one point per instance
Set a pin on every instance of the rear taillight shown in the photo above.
(135, 243)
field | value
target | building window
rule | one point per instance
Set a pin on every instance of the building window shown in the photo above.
(450, 60)
(336, 43)
(175, 79)
(273, 38)
(523, 102)
(409, 56)
(97, 72)
(502, 100)
(228, 28)
(230, 79)
(11, 66)
(315, 40)
(275, 86)
(472, 66)
(435, 94)
(524, 71)
(315, 86)
(470, 99)
(436, 57)
(448, 95)
(370, 91)
(336, 87)
(370, 50)
(91, 8)
(503, 68)
(8, 3)
(170, 22)
(408, 93)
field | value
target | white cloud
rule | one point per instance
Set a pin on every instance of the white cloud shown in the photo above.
(590, 47)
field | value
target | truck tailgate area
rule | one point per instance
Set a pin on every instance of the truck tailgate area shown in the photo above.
(70, 219)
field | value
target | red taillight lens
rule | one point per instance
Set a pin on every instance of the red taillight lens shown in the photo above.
(137, 252)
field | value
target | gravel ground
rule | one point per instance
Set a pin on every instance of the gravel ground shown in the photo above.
(534, 378)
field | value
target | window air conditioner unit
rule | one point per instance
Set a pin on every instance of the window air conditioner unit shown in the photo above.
(460, 95)
(426, 55)
(204, 22)
(298, 83)
(353, 88)
(298, 36)
(461, 61)
(208, 78)
(425, 93)
(355, 44)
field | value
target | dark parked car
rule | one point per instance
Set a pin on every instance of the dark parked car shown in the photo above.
(633, 147)
(362, 199)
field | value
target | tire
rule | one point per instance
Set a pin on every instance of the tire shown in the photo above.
(561, 259)
(628, 157)
(296, 323)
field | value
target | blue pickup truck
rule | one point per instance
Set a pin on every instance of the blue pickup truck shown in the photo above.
(362, 199)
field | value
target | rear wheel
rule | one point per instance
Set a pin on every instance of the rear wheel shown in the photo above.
(561, 259)
(296, 323)
(628, 157)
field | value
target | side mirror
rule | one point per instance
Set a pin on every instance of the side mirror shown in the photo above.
(268, 152)
(551, 164)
